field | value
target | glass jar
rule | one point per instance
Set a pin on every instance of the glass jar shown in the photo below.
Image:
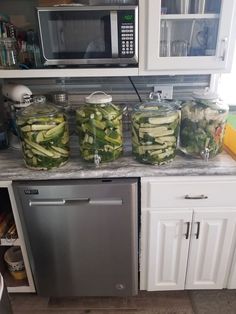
(155, 127)
(44, 135)
(8, 53)
(203, 123)
(99, 126)
(4, 143)
(3, 135)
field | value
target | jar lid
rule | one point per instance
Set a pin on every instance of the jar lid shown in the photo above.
(98, 98)
(205, 94)
(39, 108)
(158, 106)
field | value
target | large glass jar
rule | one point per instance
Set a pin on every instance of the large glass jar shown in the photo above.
(203, 123)
(44, 135)
(155, 127)
(99, 126)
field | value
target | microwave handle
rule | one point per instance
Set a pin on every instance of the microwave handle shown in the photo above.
(114, 34)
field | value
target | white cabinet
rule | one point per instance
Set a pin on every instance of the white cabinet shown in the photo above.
(170, 41)
(7, 202)
(168, 237)
(186, 243)
(210, 248)
(231, 282)
(179, 40)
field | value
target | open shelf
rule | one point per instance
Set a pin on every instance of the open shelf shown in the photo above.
(8, 242)
(78, 72)
(11, 282)
(8, 205)
(189, 16)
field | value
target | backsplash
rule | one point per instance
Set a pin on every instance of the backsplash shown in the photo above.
(120, 88)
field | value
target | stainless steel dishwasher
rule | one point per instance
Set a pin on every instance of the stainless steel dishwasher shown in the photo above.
(81, 235)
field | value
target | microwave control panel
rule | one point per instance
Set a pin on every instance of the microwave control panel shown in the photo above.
(126, 33)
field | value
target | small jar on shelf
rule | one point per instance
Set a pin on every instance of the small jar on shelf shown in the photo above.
(8, 53)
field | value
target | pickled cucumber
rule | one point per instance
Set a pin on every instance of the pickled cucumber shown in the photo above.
(45, 140)
(154, 136)
(99, 129)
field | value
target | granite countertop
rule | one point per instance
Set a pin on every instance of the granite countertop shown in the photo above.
(12, 168)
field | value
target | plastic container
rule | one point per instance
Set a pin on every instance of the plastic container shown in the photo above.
(14, 260)
(155, 128)
(44, 135)
(99, 126)
(203, 123)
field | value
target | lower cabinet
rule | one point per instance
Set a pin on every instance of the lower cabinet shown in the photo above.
(211, 248)
(168, 245)
(188, 247)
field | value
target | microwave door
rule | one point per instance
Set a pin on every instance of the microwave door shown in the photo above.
(114, 34)
(61, 37)
(78, 37)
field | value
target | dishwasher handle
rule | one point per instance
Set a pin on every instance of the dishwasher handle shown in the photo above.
(57, 202)
(61, 202)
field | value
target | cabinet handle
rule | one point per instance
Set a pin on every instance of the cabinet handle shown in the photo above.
(223, 48)
(198, 230)
(188, 230)
(196, 197)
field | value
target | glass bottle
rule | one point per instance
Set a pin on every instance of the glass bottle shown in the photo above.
(4, 143)
(99, 126)
(8, 53)
(203, 122)
(44, 135)
(155, 128)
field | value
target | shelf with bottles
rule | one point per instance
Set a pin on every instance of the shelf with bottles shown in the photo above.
(190, 16)
(189, 37)
(192, 7)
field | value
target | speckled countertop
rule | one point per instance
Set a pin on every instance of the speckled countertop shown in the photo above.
(12, 168)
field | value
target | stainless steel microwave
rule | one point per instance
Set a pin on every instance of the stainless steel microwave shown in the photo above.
(89, 35)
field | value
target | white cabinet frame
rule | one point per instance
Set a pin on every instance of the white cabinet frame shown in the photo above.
(151, 63)
(20, 242)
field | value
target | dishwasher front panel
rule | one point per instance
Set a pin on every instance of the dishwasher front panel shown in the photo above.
(81, 235)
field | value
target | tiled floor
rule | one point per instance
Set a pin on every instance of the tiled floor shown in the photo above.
(152, 302)
(177, 302)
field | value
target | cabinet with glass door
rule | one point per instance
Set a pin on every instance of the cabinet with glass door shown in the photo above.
(188, 35)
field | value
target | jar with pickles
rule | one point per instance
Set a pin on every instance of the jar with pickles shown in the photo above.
(44, 134)
(155, 127)
(203, 122)
(99, 127)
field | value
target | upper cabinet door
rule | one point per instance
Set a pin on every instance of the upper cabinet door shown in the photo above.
(210, 249)
(189, 35)
(168, 240)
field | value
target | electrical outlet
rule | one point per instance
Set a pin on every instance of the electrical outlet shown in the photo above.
(165, 91)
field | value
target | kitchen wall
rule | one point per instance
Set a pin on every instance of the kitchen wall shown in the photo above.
(119, 87)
